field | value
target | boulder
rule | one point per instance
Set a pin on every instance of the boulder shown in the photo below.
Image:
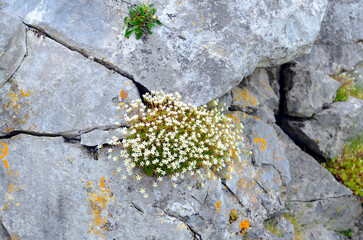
(203, 49)
(307, 91)
(12, 45)
(330, 129)
(316, 201)
(342, 24)
(256, 96)
(57, 91)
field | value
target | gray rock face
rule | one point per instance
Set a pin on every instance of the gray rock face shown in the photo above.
(203, 49)
(61, 184)
(12, 45)
(318, 203)
(307, 91)
(259, 181)
(256, 96)
(343, 23)
(331, 128)
(57, 90)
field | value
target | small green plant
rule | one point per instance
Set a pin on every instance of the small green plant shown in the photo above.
(141, 20)
(348, 167)
(348, 88)
(297, 226)
(169, 138)
(346, 233)
(271, 226)
(233, 216)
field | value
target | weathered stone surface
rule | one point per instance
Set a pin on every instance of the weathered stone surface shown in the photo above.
(307, 91)
(57, 90)
(256, 96)
(12, 45)
(203, 49)
(315, 197)
(330, 59)
(55, 190)
(283, 227)
(343, 23)
(331, 128)
(259, 180)
(4, 235)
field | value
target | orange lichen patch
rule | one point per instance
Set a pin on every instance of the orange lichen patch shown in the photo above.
(218, 206)
(128, 83)
(246, 97)
(123, 95)
(7, 166)
(234, 153)
(255, 118)
(244, 226)
(7, 130)
(263, 143)
(27, 93)
(3, 150)
(235, 118)
(98, 202)
(15, 236)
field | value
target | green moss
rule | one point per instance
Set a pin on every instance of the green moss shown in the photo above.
(233, 216)
(348, 167)
(346, 233)
(297, 226)
(348, 88)
(271, 226)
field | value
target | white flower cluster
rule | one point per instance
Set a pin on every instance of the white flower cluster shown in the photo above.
(170, 138)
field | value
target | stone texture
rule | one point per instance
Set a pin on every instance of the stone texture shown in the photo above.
(343, 23)
(284, 229)
(259, 180)
(203, 49)
(318, 203)
(307, 91)
(57, 90)
(12, 45)
(256, 96)
(330, 129)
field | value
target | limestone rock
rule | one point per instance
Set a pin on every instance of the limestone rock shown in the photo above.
(57, 90)
(342, 24)
(12, 45)
(99, 137)
(315, 197)
(259, 180)
(256, 96)
(203, 49)
(331, 128)
(307, 91)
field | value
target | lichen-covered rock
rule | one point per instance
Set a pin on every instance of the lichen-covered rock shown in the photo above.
(57, 90)
(203, 49)
(307, 91)
(315, 197)
(259, 181)
(12, 45)
(330, 129)
(256, 96)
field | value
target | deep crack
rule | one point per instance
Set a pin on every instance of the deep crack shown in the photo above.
(4, 234)
(234, 195)
(318, 199)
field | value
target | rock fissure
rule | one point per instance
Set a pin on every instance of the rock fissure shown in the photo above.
(196, 235)
(4, 234)
(261, 187)
(233, 194)
(137, 207)
(318, 199)
(102, 62)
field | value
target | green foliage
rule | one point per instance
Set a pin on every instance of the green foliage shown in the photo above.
(297, 226)
(233, 216)
(348, 167)
(348, 88)
(141, 20)
(171, 139)
(346, 233)
(271, 226)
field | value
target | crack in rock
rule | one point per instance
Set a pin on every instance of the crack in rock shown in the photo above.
(196, 235)
(142, 89)
(318, 199)
(234, 195)
(4, 234)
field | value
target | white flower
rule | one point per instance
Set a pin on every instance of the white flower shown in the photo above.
(142, 190)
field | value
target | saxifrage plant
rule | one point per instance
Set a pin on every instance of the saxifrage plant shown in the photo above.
(141, 20)
(171, 139)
